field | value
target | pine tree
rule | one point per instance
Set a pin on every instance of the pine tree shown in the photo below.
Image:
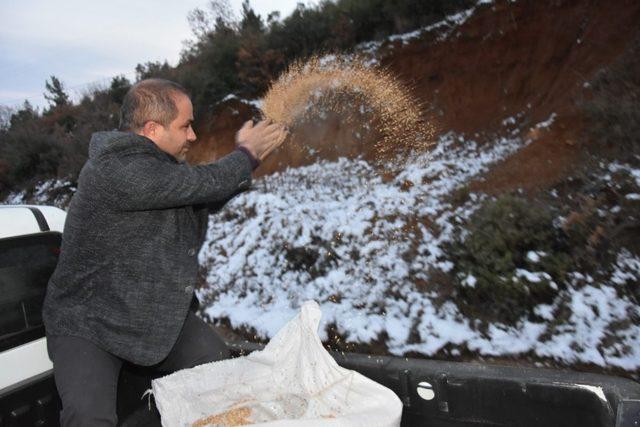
(56, 95)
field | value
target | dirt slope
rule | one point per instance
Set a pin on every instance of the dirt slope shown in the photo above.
(528, 60)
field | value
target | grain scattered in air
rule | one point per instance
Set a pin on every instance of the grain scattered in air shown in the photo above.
(345, 86)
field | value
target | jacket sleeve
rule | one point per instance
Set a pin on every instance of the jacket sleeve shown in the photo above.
(139, 181)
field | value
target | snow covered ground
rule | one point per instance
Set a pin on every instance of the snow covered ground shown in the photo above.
(367, 243)
(56, 192)
(358, 244)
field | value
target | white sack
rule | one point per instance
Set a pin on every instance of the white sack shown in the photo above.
(294, 381)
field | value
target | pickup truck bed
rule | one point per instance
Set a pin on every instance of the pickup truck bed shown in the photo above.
(454, 394)
(436, 393)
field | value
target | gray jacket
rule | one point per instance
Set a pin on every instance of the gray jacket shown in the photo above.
(128, 261)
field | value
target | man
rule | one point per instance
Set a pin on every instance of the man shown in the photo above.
(123, 287)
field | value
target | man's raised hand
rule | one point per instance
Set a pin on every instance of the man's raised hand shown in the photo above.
(262, 138)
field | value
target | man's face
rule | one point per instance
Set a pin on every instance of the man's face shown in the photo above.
(176, 138)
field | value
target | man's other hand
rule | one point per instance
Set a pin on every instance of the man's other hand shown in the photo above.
(262, 138)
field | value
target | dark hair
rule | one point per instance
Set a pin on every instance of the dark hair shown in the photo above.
(150, 99)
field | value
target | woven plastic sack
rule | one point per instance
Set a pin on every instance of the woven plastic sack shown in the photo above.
(294, 381)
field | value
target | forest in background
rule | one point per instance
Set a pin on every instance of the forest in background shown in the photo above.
(227, 55)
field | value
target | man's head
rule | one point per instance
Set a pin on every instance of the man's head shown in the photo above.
(160, 110)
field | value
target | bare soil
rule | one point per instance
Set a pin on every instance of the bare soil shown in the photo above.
(529, 58)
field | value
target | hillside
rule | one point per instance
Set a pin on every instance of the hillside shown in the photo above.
(503, 84)
(514, 240)
(494, 69)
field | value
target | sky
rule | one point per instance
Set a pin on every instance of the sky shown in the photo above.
(86, 43)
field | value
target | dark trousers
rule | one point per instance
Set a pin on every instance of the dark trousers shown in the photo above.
(87, 376)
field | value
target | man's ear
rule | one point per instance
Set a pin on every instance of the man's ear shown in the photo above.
(149, 129)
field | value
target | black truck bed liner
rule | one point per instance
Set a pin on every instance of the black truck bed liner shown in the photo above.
(463, 394)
